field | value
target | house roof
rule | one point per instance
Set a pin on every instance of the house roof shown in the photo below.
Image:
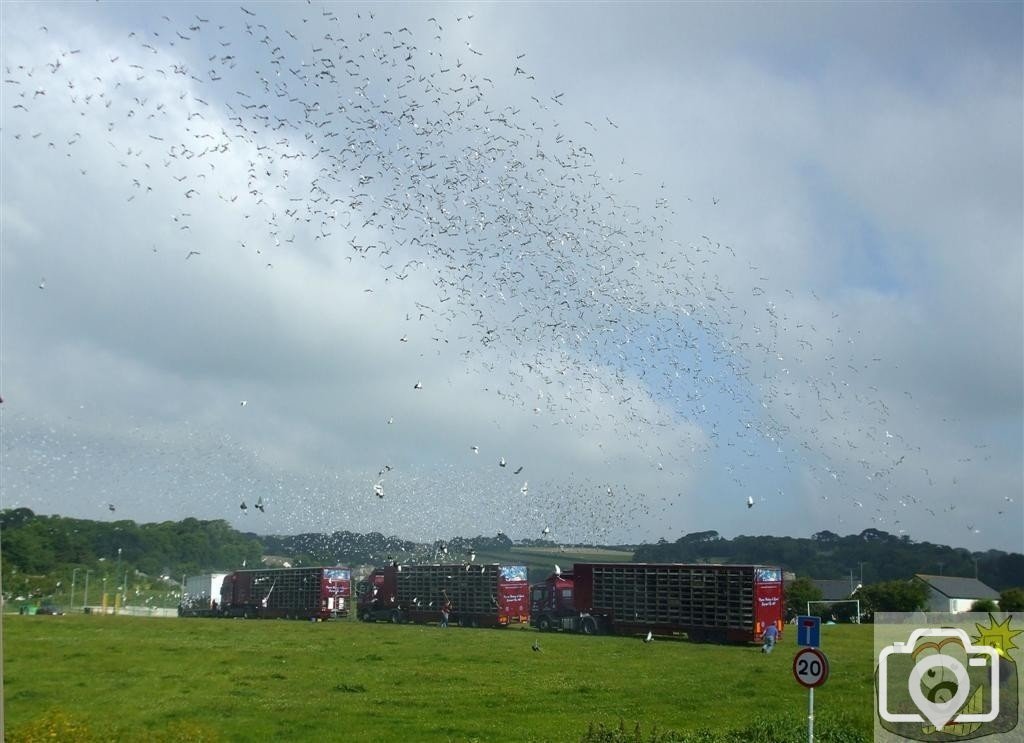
(958, 588)
(833, 590)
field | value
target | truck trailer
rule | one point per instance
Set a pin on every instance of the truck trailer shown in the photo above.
(478, 595)
(288, 593)
(708, 603)
(200, 596)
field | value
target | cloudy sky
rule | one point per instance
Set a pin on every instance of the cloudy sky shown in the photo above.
(651, 261)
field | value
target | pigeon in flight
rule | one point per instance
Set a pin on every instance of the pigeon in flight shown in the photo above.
(259, 504)
(245, 508)
(650, 636)
(558, 570)
(378, 488)
(750, 501)
(546, 530)
(502, 462)
(418, 386)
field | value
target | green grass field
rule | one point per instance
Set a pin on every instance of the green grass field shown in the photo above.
(122, 678)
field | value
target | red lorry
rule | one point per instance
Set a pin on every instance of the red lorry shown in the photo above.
(478, 595)
(287, 593)
(716, 603)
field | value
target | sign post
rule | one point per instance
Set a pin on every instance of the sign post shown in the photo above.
(808, 631)
(810, 667)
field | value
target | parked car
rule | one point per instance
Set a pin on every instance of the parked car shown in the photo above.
(49, 609)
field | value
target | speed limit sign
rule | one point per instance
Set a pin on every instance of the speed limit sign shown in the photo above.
(810, 667)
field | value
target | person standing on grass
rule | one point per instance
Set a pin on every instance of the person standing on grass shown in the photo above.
(446, 609)
(770, 637)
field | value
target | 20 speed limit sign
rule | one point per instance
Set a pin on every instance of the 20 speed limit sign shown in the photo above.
(810, 667)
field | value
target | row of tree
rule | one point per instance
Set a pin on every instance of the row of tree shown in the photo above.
(892, 595)
(38, 549)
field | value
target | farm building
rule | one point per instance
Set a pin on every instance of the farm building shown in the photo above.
(955, 595)
(835, 590)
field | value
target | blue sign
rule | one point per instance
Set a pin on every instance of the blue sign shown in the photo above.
(808, 631)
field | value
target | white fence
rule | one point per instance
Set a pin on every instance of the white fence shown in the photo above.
(133, 611)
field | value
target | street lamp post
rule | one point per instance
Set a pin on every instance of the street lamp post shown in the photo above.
(117, 569)
(71, 599)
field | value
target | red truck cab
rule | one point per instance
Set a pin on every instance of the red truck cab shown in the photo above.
(550, 601)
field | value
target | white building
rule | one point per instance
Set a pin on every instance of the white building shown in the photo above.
(955, 595)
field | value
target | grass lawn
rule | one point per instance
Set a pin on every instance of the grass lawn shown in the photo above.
(125, 678)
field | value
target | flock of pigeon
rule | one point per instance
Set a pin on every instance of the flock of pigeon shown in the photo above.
(394, 146)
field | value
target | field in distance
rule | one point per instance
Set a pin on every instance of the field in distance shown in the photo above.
(106, 678)
(541, 561)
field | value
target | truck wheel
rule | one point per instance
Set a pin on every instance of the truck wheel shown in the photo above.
(544, 624)
(367, 616)
(396, 617)
(588, 626)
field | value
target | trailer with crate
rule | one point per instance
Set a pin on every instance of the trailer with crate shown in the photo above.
(287, 593)
(479, 595)
(715, 603)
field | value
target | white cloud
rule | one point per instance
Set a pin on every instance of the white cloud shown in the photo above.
(866, 231)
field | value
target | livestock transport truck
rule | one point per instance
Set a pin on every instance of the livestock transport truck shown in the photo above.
(709, 603)
(480, 595)
(287, 593)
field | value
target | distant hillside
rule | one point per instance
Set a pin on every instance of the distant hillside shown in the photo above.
(40, 552)
(874, 555)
